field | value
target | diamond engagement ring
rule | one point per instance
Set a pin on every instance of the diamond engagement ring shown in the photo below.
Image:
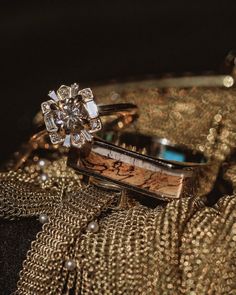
(72, 116)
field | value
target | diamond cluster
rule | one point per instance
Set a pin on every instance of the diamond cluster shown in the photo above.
(71, 116)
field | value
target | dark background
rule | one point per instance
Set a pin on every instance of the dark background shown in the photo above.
(46, 43)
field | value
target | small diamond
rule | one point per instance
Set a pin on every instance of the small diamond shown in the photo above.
(53, 95)
(95, 125)
(64, 92)
(67, 141)
(55, 138)
(45, 106)
(78, 140)
(49, 122)
(87, 94)
(92, 109)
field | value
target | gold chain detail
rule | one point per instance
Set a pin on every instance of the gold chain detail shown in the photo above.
(183, 247)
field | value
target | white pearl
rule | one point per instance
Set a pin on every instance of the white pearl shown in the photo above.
(93, 227)
(43, 177)
(42, 163)
(43, 218)
(70, 264)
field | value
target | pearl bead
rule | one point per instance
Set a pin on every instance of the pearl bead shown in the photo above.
(93, 227)
(43, 177)
(42, 163)
(43, 218)
(70, 264)
(228, 81)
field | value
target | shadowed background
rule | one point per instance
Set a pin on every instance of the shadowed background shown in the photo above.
(47, 43)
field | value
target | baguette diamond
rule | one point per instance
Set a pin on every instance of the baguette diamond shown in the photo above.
(71, 115)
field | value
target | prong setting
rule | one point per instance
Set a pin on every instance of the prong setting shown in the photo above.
(71, 116)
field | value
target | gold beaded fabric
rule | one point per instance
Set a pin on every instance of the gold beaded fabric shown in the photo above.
(180, 247)
(202, 119)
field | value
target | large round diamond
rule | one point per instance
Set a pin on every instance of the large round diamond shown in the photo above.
(69, 116)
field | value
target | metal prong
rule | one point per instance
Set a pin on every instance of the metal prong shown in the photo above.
(74, 89)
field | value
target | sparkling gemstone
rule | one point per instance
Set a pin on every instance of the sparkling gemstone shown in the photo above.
(78, 140)
(95, 125)
(72, 117)
(92, 109)
(67, 141)
(53, 95)
(86, 93)
(50, 123)
(64, 92)
(69, 116)
(56, 138)
(45, 106)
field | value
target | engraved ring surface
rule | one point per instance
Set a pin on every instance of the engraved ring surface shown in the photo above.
(72, 116)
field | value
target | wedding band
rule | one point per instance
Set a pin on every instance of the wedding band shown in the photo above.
(159, 178)
(71, 115)
(156, 147)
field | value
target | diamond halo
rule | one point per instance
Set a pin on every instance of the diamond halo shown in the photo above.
(71, 116)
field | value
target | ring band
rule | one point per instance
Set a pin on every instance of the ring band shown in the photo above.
(71, 115)
(158, 178)
(156, 147)
(123, 109)
(61, 110)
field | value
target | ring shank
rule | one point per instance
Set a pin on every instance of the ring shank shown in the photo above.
(154, 147)
(135, 172)
(122, 109)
